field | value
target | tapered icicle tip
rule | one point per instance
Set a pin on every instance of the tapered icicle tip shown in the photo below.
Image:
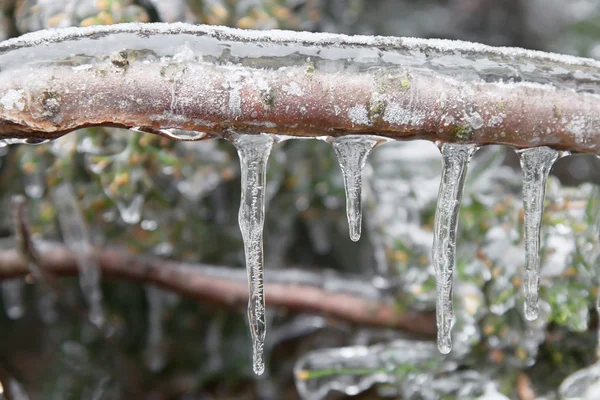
(535, 164)
(352, 152)
(253, 151)
(456, 158)
(258, 359)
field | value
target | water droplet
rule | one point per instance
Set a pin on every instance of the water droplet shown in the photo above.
(131, 212)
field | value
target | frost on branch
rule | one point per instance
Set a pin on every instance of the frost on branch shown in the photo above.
(167, 77)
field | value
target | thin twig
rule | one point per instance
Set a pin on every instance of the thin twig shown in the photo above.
(291, 289)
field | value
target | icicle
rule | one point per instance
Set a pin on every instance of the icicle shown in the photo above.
(598, 328)
(351, 152)
(456, 158)
(77, 238)
(254, 151)
(12, 297)
(155, 355)
(536, 164)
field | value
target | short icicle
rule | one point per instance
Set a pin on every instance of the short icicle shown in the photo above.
(536, 164)
(253, 151)
(351, 152)
(456, 158)
(77, 238)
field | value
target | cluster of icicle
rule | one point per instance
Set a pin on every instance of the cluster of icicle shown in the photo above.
(352, 152)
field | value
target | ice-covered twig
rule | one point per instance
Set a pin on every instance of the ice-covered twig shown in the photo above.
(292, 289)
(158, 77)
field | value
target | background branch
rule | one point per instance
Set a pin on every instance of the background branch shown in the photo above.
(291, 289)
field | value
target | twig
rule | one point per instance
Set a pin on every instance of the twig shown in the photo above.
(291, 289)
(214, 79)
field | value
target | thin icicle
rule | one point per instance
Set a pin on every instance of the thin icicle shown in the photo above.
(598, 328)
(77, 238)
(254, 151)
(12, 297)
(536, 164)
(155, 355)
(456, 158)
(351, 152)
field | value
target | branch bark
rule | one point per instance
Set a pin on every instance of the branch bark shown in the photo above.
(213, 80)
(291, 289)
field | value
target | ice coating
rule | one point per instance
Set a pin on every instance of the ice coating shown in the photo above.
(284, 37)
(77, 238)
(182, 134)
(296, 83)
(12, 297)
(351, 152)
(253, 151)
(352, 370)
(456, 158)
(536, 164)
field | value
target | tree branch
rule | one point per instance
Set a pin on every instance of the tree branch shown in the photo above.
(214, 79)
(291, 289)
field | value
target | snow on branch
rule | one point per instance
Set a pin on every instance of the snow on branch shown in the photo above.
(162, 78)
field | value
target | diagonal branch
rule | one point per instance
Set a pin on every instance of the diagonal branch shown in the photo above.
(213, 79)
(291, 289)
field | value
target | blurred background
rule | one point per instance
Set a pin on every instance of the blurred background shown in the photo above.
(177, 201)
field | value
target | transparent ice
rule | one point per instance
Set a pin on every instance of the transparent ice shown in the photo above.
(182, 134)
(77, 238)
(12, 297)
(456, 158)
(253, 151)
(536, 164)
(155, 355)
(351, 152)
(352, 370)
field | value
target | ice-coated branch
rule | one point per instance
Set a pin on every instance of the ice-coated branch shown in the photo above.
(175, 79)
(339, 297)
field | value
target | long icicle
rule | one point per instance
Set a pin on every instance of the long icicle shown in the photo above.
(77, 238)
(352, 152)
(456, 158)
(253, 151)
(536, 164)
